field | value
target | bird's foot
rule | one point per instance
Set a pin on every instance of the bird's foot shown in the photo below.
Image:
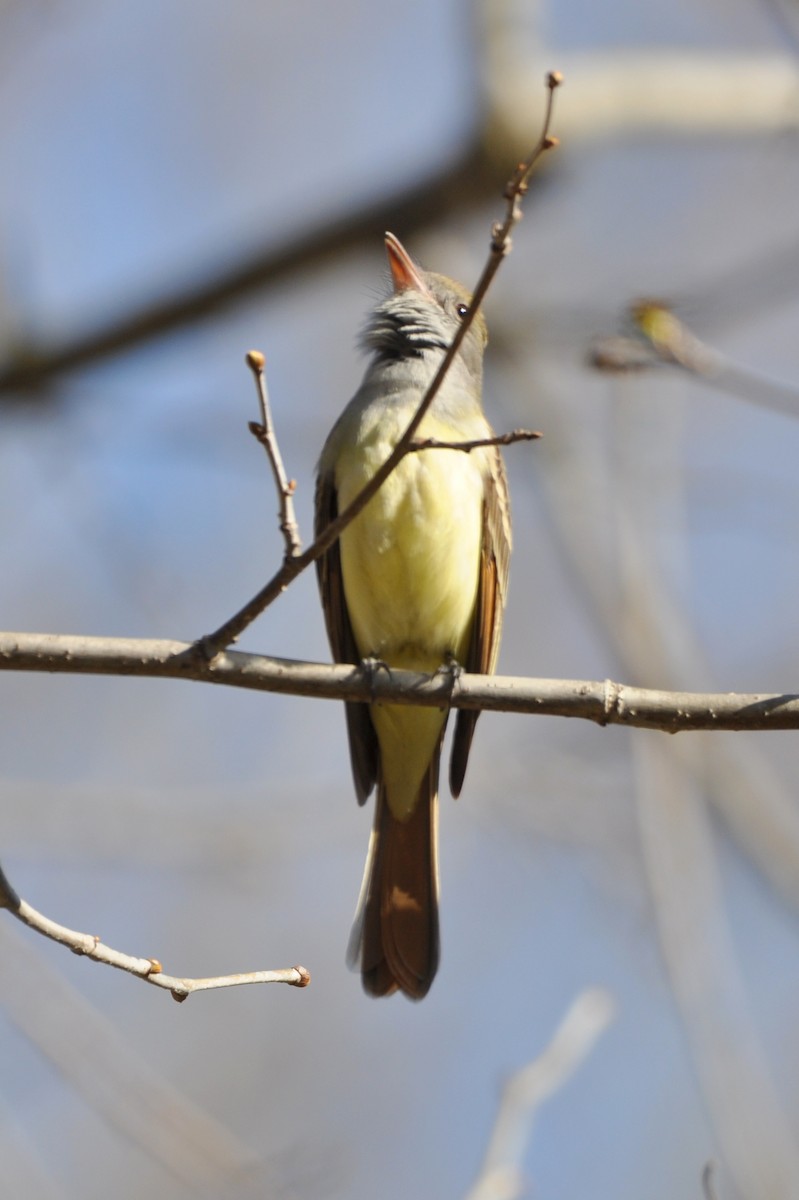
(451, 669)
(371, 667)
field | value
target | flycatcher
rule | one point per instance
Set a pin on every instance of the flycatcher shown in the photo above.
(417, 581)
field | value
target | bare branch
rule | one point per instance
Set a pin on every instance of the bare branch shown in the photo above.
(602, 701)
(500, 246)
(265, 434)
(501, 439)
(148, 969)
(501, 1173)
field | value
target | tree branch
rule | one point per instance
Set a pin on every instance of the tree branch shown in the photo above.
(500, 246)
(148, 969)
(602, 701)
(501, 439)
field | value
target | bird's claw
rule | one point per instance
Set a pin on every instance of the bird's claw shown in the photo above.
(452, 670)
(371, 667)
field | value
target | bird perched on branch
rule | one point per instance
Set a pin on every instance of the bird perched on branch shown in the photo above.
(416, 581)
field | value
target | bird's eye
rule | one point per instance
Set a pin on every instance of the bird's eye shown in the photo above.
(462, 310)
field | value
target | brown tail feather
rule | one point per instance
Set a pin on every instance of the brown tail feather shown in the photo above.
(396, 933)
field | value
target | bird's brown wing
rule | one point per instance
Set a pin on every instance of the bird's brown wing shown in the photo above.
(489, 608)
(362, 737)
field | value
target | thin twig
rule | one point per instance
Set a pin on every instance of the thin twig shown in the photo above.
(148, 969)
(602, 701)
(516, 188)
(265, 434)
(500, 439)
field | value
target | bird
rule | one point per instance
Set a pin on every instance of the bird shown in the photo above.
(417, 581)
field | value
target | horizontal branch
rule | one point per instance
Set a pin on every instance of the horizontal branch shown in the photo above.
(500, 439)
(603, 701)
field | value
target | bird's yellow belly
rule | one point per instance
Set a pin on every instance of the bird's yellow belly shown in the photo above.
(410, 560)
(410, 566)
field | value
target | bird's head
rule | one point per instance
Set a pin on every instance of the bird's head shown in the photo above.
(422, 314)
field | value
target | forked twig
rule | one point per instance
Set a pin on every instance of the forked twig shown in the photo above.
(211, 645)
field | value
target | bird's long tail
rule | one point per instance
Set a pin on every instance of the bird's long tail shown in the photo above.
(394, 938)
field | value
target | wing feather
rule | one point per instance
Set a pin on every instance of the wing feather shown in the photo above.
(492, 589)
(361, 733)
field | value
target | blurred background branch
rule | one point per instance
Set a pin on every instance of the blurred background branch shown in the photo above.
(502, 1175)
(676, 93)
(27, 365)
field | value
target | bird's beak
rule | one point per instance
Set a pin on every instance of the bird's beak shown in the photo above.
(404, 271)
